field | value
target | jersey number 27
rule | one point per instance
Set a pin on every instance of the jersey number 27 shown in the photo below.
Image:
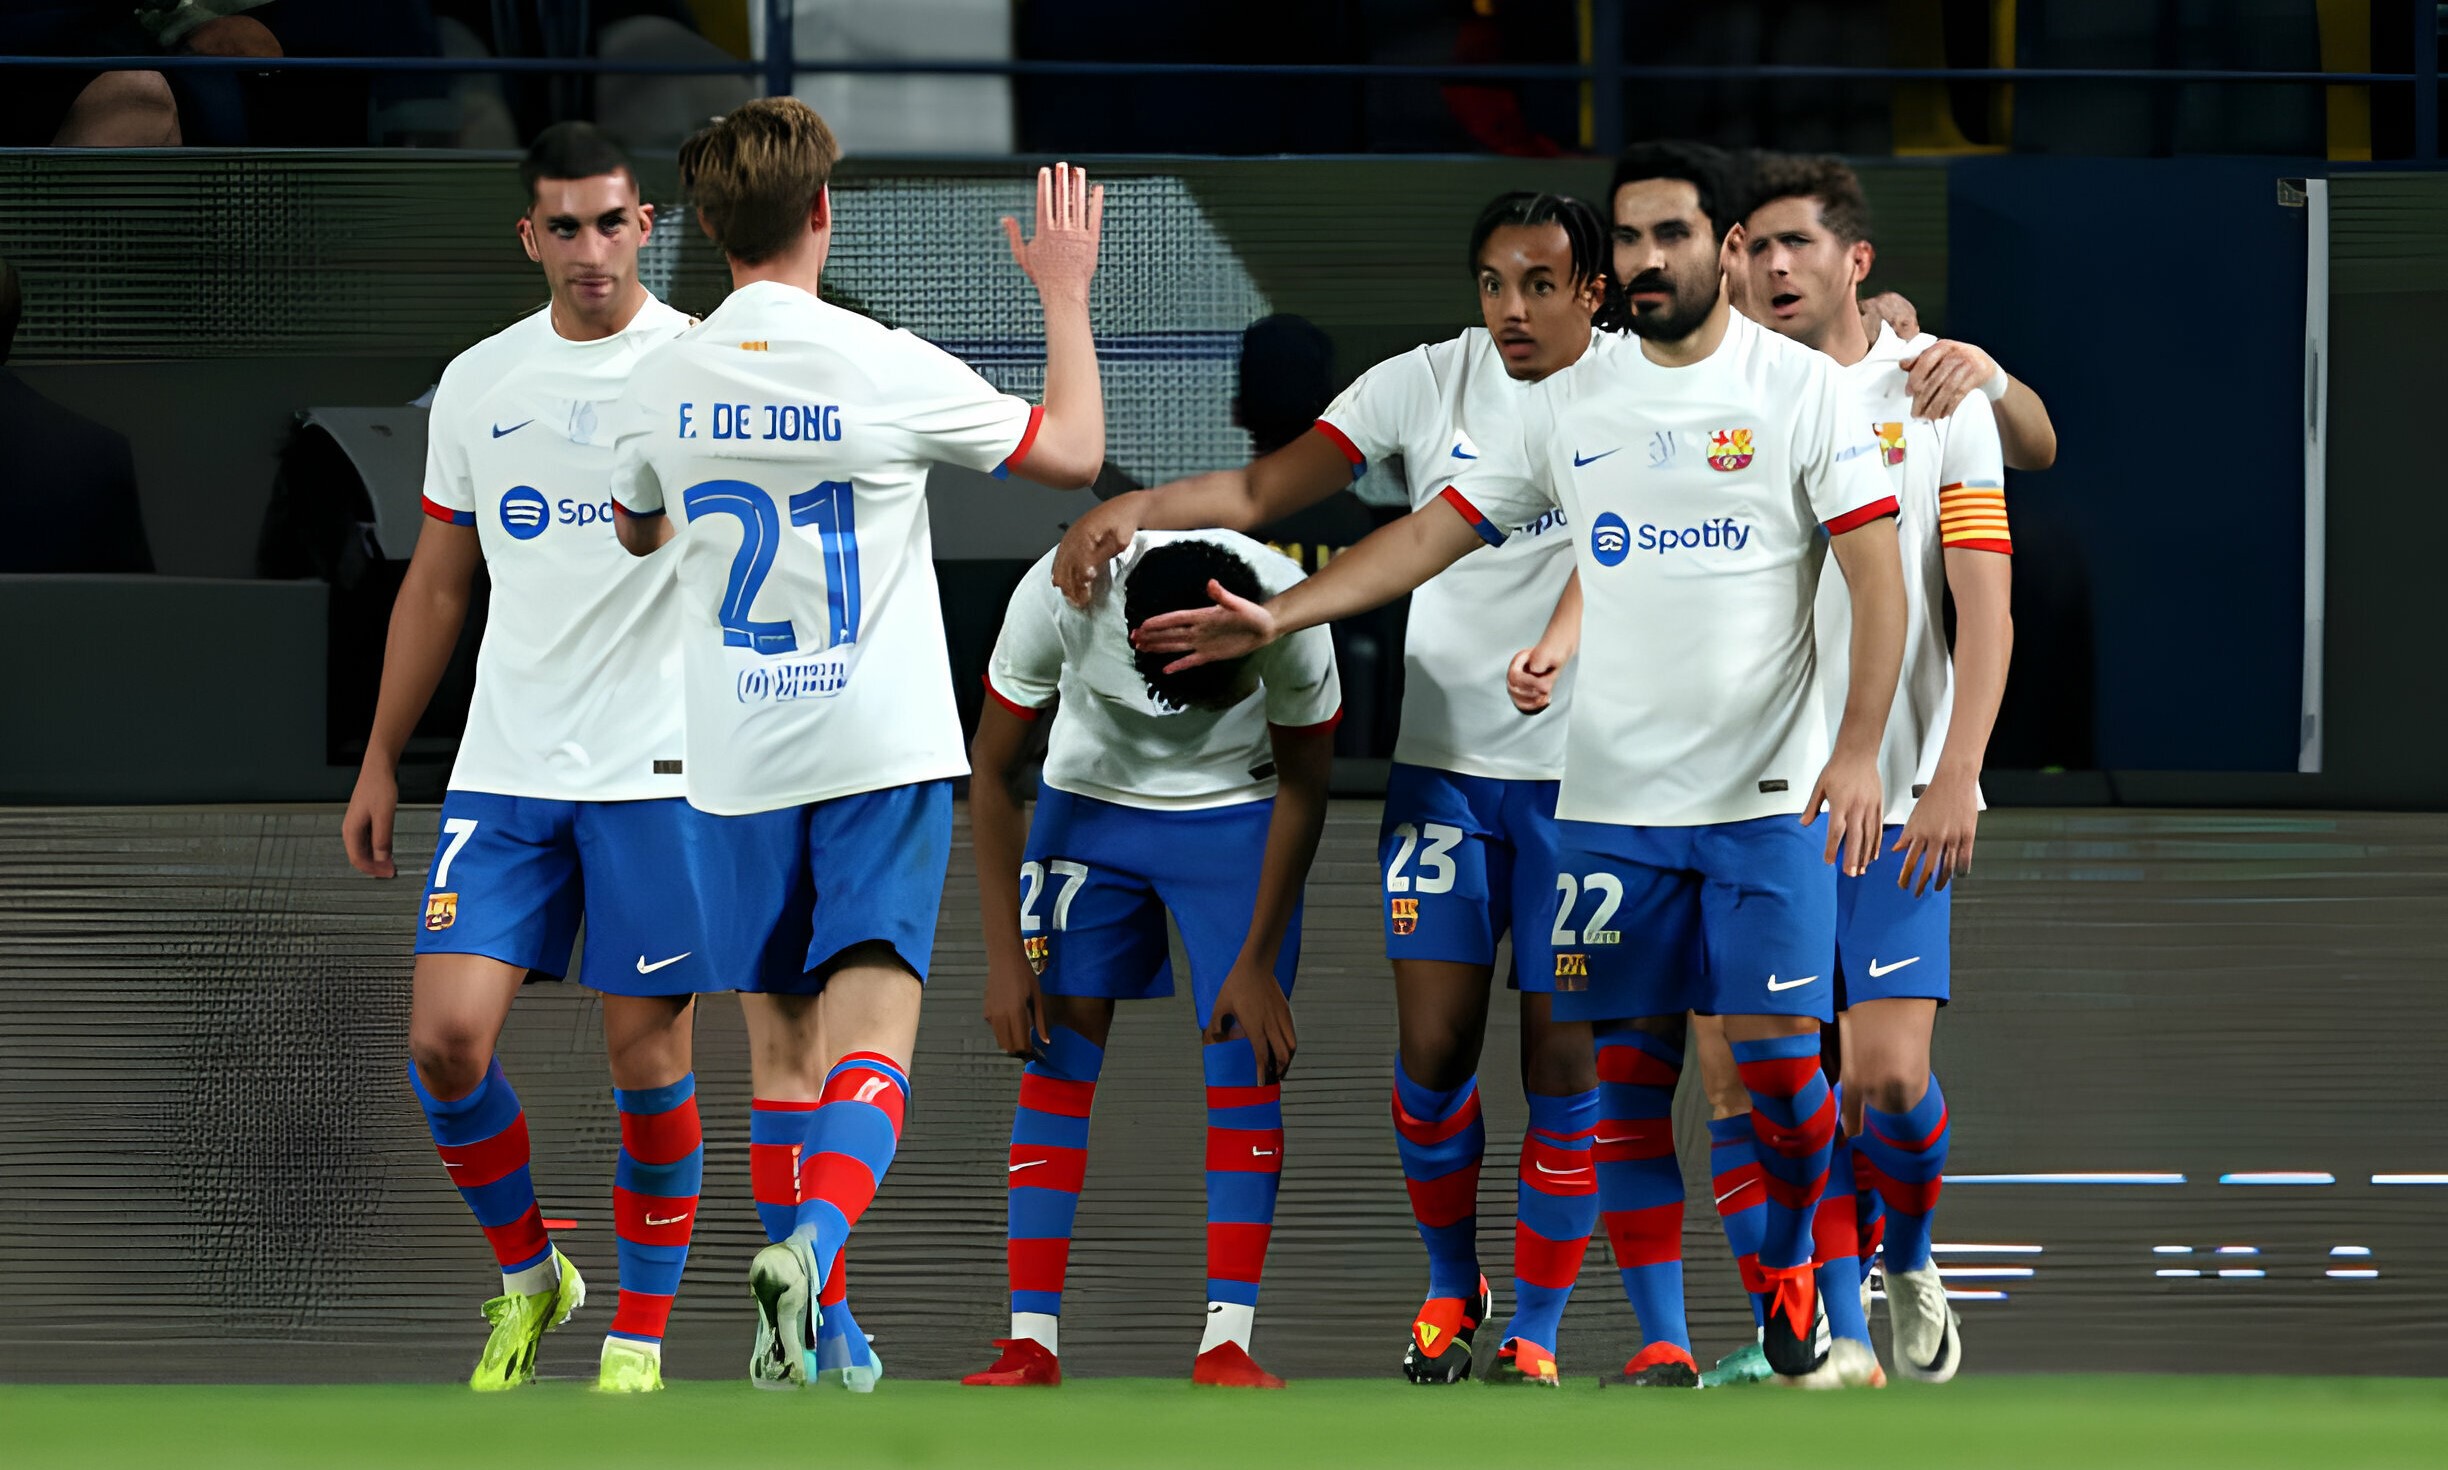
(831, 509)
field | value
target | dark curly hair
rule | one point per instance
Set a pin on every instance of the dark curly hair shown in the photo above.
(1173, 578)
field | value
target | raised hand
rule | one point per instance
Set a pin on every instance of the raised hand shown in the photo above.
(1061, 256)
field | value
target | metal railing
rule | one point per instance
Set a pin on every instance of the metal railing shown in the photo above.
(782, 65)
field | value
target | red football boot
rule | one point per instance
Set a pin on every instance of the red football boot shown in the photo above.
(1025, 1364)
(1227, 1365)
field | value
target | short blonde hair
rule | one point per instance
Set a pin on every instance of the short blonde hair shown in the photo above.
(755, 173)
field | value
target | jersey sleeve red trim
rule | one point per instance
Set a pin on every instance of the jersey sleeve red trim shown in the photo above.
(1853, 520)
(441, 512)
(1342, 441)
(1323, 727)
(1487, 529)
(1028, 438)
(1005, 700)
(635, 515)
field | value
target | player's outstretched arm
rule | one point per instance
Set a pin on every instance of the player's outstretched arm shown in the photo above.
(1388, 562)
(1251, 1002)
(1849, 787)
(1937, 839)
(1531, 677)
(998, 832)
(1946, 374)
(1059, 260)
(1273, 486)
(425, 623)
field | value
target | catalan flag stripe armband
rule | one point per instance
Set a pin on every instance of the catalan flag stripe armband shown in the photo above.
(1972, 517)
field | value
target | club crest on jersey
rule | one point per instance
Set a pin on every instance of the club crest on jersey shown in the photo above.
(1729, 449)
(1890, 443)
(441, 911)
(1404, 914)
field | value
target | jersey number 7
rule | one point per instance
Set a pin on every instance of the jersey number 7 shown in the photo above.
(831, 509)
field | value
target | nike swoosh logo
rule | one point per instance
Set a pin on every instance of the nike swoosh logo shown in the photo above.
(1729, 1194)
(1031, 1164)
(1876, 969)
(1458, 454)
(674, 1220)
(1262, 1153)
(499, 431)
(1580, 459)
(647, 969)
(1619, 1140)
(1775, 985)
(1543, 1169)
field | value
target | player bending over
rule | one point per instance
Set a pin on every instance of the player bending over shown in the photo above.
(1704, 463)
(785, 443)
(566, 798)
(1809, 249)
(1198, 793)
(1467, 848)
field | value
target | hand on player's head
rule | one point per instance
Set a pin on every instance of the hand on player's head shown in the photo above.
(1062, 254)
(1189, 577)
(1234, 628)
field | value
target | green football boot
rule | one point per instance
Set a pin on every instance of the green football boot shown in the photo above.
(519, 1324)
(784, 1281)
(628, 1368)
(1746, 1364)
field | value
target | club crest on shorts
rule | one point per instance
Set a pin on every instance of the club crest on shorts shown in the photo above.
(1404, 914)
(1729, 449)
(1572, 970)
(441, 911)
(1890, 442)
(1036, 947)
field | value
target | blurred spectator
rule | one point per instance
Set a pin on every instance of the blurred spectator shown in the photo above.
(647, 112)
(67, 485)
(73, 107)
(1515, 33)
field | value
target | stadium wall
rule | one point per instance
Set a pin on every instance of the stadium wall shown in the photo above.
(213, 1168)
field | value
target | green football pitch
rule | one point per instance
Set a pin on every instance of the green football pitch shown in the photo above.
(2060, 1421)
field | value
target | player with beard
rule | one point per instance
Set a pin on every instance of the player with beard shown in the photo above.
(1702, 461)
(1467, 846)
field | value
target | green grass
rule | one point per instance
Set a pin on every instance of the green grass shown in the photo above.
(2083, 1422)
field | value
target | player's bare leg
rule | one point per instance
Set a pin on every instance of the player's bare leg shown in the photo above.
(457, 1006)
(1440, 1011)
(1557, 1198)
(650, 1041)
(1889, 1109)
(1031, 1356)
(868, 1010)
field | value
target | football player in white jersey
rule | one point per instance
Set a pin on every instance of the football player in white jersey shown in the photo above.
(566, 799)
(1198, 794)
(785, 443)
(1707, 466)
(1808, 249)
(1467, 847)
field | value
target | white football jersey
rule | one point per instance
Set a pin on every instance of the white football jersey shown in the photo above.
(1951, 471)
(578, 678)
(1441, 407)
(792, 439)
(1112, 738)
(1698, 497)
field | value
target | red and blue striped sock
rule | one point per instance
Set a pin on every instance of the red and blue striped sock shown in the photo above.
(1555, 1209)
(1836, 1248)
(1245, 1145)
(482, 1138)
(1441, 1139)
(1908, 1152)
(1640, 1183)
(839, 1341)
(654, 1202)
(1869, 1211)
(851, 1138)
(1793, 1125)
(777, 1130)
(1734, 1163)
(1048, 1164)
